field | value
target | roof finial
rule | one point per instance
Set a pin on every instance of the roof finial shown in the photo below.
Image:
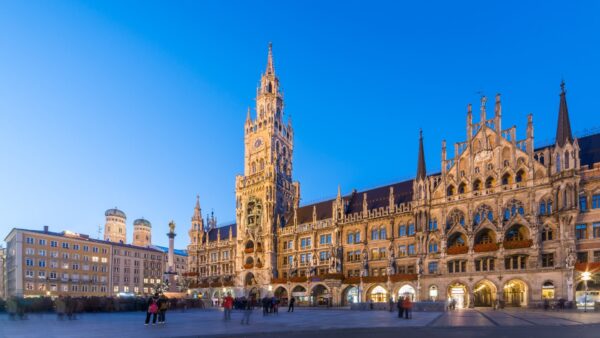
(270, 66)
(421, 170)
(563, 130)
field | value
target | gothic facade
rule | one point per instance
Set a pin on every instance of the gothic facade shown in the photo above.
(503, 221)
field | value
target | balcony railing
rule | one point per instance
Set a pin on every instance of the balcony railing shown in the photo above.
(457, 250)
(485, 247)
(519, 244)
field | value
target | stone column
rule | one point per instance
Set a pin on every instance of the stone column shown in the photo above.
(171, 272)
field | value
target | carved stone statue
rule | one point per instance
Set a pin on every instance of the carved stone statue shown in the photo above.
(570, 260)
(419, 265)
(172, 227)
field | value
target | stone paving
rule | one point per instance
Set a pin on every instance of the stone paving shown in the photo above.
(340, 322)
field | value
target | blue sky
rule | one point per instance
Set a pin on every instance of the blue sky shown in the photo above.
(141, 105)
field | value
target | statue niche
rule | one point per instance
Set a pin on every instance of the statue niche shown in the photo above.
(253, 213)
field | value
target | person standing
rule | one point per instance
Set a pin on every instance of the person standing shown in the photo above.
(400, 306)
(248, 305)
(291, 306)
(163, 306)
(227, 306)
(407, 308)
(152, 309)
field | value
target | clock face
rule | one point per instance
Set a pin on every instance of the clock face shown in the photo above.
(257, 143)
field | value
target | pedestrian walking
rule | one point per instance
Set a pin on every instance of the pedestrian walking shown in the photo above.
(400, 307)
(391, 305)
(291, 306)
(227, 306)
(60, 307)
(407, 305)
(152, 309)
(248, 305)
(163, 306)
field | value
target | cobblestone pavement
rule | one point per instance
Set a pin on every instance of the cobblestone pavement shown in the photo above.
(306, 322)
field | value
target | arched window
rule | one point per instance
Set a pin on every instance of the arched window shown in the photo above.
(350, 238)
(433, 247)
(557, 162)
(483, 212)
(433, 224)
(489, 182)
(567, 164)
(462, 188)
(506, 179)
(512, 208)
(382, 233)
(357, 237)
(450, 190)
(542, 210)
(374, 234)
(457, 239)
(477, 185)
(516, 233)
(520, 176)
(456, 217)
(253, 168)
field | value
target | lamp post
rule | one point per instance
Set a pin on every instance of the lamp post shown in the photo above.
(585, 276)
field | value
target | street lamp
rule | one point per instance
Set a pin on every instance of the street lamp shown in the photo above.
(585, 276)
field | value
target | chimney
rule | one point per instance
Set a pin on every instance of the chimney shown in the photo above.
(45, 229)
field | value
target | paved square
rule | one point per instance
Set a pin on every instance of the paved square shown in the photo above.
(339, 322)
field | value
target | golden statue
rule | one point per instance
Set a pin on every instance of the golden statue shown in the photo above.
(172, 226)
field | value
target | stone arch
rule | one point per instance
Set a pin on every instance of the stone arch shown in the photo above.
(249, 279)
(490, 182)
(483, 212)
(457, 238)
(485, 235)
(477, 185)
(521, 175)
(517, 232)
(350, 295)
(320, 295)
(450, 191)
(406, 289)
(462, 188)
(377, 293)
(516, 293)
(458, 293)
(455, 217)
(484, 293)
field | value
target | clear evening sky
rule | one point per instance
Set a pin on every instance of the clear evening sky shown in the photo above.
(141, 105)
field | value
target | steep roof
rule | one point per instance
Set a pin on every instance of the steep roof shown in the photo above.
(376, 198)
(563, 128)
(224, 232)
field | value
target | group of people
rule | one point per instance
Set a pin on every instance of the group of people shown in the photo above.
(247, 305)
(157, 307)
(404, 306)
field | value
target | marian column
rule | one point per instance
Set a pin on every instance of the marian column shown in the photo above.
(171, 272)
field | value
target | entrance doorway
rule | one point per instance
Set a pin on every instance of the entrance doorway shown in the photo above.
(350, 295)
(281, 294)
(458, 295)
(378, 294)
(515, 293)
(320, 295)
(484, 294)
(407, 291)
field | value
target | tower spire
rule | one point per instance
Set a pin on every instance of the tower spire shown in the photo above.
(270, 65)
(197, 211)
(421, 171)
(563, 130)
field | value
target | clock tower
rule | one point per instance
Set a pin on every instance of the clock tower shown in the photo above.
(266, 192)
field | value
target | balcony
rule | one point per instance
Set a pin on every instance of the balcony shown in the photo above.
(519, 244)
(248, 265)
(249, 250)
(485, 247)
(457, 250)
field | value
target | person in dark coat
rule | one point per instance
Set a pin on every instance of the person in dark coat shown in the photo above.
(152, 309)
(291, 306)
(400, 307)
